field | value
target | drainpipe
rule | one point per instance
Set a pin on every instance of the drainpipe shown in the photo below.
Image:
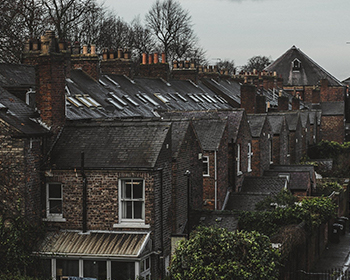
(216, 181)
(188, 174)
(84, 193)
(161, 225)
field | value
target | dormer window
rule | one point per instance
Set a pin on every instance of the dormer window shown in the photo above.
(296, 64)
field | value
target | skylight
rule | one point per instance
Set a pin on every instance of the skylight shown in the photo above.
(161, 98)
(121, 101)
(110, 100)
(150, 100)
(112, 81)
(75, 102)
(181, 97)
(127, 97)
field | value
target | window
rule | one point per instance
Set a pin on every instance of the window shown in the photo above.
(145, 268)
(132, 202)
(205, 166)
(270, 149)
(54, 201)
(296, 64)
(238, 159)
(250, 155)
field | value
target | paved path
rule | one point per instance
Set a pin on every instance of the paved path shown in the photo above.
(336, 255)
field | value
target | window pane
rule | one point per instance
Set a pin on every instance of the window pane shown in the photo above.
(127, 189)
(205, 168)
(95, 269)
(55, 191)
(123, 270)
(67, 267)
(138, 209)
(138, 190)
(55, 206)
(128, 210)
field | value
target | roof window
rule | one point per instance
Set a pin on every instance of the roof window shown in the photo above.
(296, 65)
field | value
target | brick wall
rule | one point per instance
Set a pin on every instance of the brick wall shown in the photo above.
(88, 63)
(187, 159)
(332, 128)
(329, 93)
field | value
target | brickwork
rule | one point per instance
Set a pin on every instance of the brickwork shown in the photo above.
(185, 74)
(332, 128)
(88, 63)
(248, 98)
(329, 94)
(118, 67)
(20, 177)
(283, 102)
(159, 70)
(187, 159)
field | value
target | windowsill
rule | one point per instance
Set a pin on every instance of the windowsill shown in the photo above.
(206, 175)
(249, 170)
(131, 225)
(54, 219)
(239, 173)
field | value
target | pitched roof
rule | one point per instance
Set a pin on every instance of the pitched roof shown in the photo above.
(256, 123)
(210, 132)
(245, 201)
(310, 73)
(135, 144)
(266, 185)
(19, 115)
(17, 75)
(94, 244)
(298, 180)
(276, 122)
(333, 108)
(178, 132)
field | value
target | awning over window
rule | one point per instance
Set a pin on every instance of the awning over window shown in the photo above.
(95, 244)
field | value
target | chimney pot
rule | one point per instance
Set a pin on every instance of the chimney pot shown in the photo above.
(126, 53)
(175, 64)
(93, 49)
(105, 54)
(144, 58)
(120, 53)
(181, 64)
(193, 64)
(163, 58)
(111, 54)
(85, 49)
(150, 59)
(187, 64)
(155, 58)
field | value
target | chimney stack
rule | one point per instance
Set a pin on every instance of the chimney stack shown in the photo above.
(248, 98)
(89, 62)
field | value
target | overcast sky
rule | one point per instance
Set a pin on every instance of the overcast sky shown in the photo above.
(239, 29)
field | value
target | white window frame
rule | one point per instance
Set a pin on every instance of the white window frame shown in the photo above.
(250, 155)
(123, 200)
(238, 160)
(206, 161)
(145, 272)
(270, 151)
(57, 217)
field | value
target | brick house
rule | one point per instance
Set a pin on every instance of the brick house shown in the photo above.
(280, 140)
(304, 78)
(118, 191)
(262, 138)
(213, 136)
(21, 142)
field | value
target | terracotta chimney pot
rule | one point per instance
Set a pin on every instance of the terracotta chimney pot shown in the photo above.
(144, 58)
(155, 58)
(111, 54)
(163, 58)
(93, 49)
(150, 59)
(85, 49)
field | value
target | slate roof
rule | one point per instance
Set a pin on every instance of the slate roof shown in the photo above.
(304, 117)
(276, 122)
(299, 179)
(292, 118)
(17, 75)
(125, 144)
(254, 190)
(210, 132)
(333, 108)
(310, 72)
(256, 123)
(295, 167)
(219, 219)
(231, 89)
(178, 132)
(265, 185)
(19, 115)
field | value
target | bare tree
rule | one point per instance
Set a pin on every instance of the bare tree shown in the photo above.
(172, 27)
(142, 41)
(257, 62)
(228, 65)
(64, 14)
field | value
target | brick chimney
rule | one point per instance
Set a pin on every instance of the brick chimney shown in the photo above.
(261, 104)
(283, 103)
(87, 61)
(295, 103)
(119, 64)
(154, 68)
(51, 68)
(185, 71)
(248, 98)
